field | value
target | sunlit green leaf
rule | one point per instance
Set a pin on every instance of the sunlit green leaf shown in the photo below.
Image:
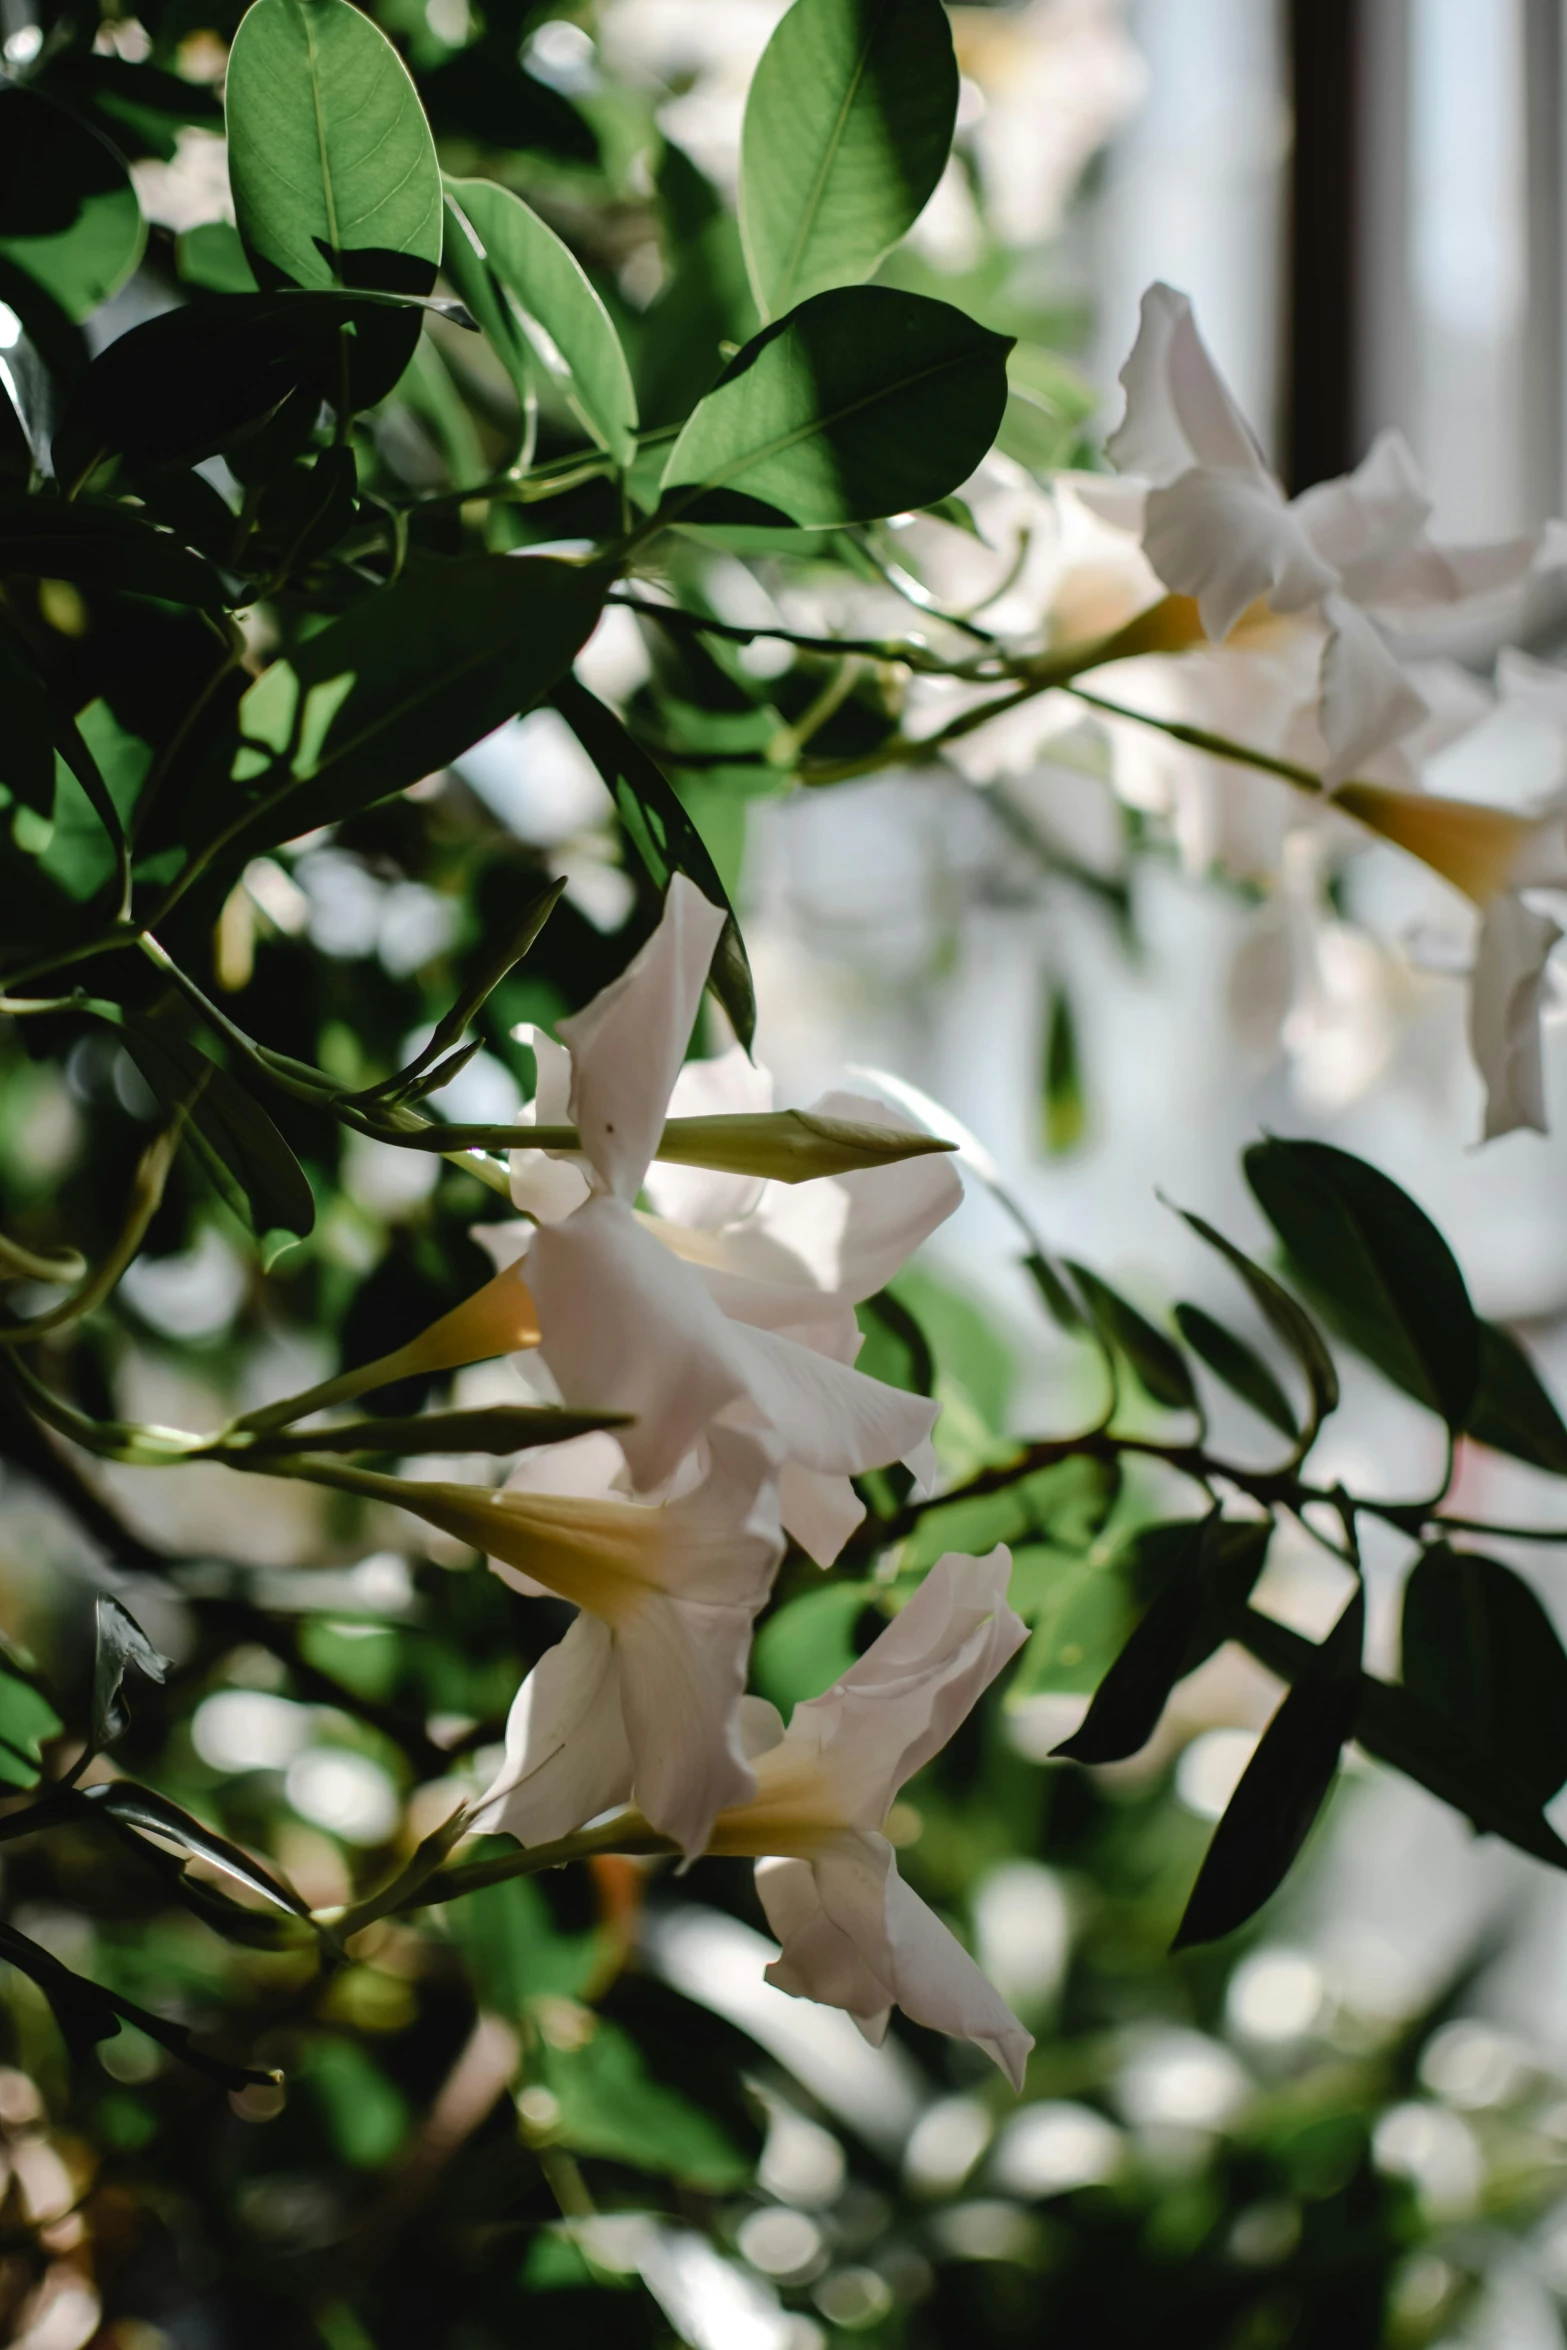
(859, 403)
(554, 292)
(610, 2105)
(27, 1721)
(330, 157)
(69, 219)
(847, 127)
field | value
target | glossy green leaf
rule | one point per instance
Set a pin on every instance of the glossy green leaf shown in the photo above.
(145, 1812)
(1479, 1649)
(861, 402)
(664, 837)
(847, 128)
(1159, 1365)
(330, 157)
(1378, 1266)
(1287, 1319)
(1282, 1789)
(1512, 1410)
(103, 546)
(1240, 1367)
(580, 347)
(69, 219)
(199, 379)
(403, 682)
(243, 1151)
(119, 1643)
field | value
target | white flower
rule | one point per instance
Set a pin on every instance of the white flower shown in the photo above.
(1491, 854)
(1218, 527)
(854, 1935)
(731, 1301)
(643, 1692)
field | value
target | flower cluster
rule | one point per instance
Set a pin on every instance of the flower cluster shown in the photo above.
(715, 1312)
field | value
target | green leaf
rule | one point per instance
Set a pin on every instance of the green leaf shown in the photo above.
(141, 1810)
(512, 1946)
(212, 256)
(861, 402)
(330, 157)
(403, 682)
(847, 127)
(611, 2106)
(103, 546)
(1207, 1569)
(1159, 1365)
(1082, 1614)
(1512, 1411)
(1065, 1117)
(553, 291)
(805, 1647)
(1392, 1724)
(1479, 1649)
(1377, 1264)
(69, 219)
(664, 837)
(86, 2013)
(119, 1642)
(27, 738)
(243, 1151)
(1287, 1320)
(27, 1720)
(199, 379)
(366, 2115)
(1282, 1789)
(1060, 1304)
(1240, 1367)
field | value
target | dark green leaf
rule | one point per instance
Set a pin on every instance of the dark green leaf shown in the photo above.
(1282, 1788)
(1240, 1367)
(1512, 1411)
(664, 837)
(1064, 1115)
(1378, 1265)
(403, 682)
(1159, 1365)
(860, 403)
(330, 158)
(1060, 1304)
(847, 127)
(142, 1809)
(102, 546)
(1130, 1699)
(1393, 1725)
(119, 1643)
(243, 1151)
(87, 2013)
(69, 219)
(1480, 1650)
(1296, 1328)
(27, 737)
(552, 289)
(193, 381)
(306, 512)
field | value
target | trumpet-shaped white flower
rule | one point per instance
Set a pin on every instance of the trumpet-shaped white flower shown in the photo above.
(731, 1301)
(1218, 527)
(1492, 855)
(854, 1935)
(643, 1692)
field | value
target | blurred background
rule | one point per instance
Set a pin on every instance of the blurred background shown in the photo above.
(1348, 2126)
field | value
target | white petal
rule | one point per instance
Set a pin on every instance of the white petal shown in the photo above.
(1179, 411)
(593, 1465)
(854, 1232)
(567, 1758)
(727, 1086)
(818, 1959)
(628, 1044)
(628, 1328)
(1504, 1013)
(827, 1416)
(1367, 701)
(1366, 517)
(504, 1244)
(819, 1511)
(916, 1682)
(938, 1984)
(547, 1185)
(1227, 538)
